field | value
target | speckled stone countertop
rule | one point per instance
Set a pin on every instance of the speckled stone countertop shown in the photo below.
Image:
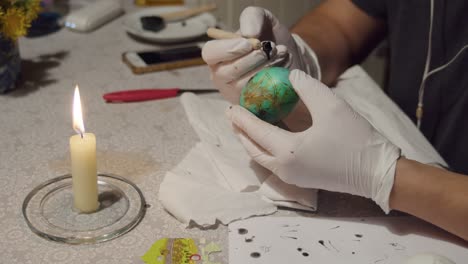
(141, 141)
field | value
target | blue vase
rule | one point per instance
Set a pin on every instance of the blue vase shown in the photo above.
(10, 64)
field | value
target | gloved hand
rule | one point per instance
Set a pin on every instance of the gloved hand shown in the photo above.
(340, 152)
(233, 61)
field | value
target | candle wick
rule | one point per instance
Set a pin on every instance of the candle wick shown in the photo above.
(81, 134)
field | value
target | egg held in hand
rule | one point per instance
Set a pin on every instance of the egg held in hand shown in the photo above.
(269, 94)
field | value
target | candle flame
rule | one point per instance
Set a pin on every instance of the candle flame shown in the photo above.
(78, 124)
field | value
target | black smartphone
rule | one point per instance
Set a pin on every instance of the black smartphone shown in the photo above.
(163, 59)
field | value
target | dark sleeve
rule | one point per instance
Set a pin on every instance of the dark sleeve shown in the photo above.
(375, 8)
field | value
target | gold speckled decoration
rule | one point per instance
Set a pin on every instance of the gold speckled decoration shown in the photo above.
(269, 94)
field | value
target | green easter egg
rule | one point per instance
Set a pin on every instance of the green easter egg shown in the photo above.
(269, 94)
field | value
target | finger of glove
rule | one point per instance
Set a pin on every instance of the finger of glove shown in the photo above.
(235, 69)
(217, 51)
(317, 97)
(256, 152)
(265, 135)
(283, 57)
(231, 89)
(256, 22)
(281, 60)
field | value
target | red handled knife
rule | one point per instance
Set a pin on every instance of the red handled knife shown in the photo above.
(146, 94)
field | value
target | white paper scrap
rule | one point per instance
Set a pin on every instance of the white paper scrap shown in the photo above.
(191, 193)
(384, 240)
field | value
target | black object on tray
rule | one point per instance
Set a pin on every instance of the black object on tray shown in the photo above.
(152, 23)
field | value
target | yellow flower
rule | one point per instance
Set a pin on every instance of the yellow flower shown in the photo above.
(33, 8)
(13, 23)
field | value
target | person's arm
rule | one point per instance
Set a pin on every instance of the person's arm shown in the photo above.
(340, 34)
(433, 194)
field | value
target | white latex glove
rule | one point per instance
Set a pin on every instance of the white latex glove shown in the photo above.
(234, 61)
(341, 151)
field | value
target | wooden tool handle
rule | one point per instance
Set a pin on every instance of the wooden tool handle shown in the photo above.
(179, 15)
(221, 34)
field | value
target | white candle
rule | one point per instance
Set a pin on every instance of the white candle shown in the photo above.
(83, 162)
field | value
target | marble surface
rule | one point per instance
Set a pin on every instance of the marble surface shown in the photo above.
(141, 141)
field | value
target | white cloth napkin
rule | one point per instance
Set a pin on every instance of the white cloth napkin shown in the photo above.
(218, 181)
(367, 98)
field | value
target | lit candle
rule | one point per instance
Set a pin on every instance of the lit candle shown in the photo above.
(83, 162)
